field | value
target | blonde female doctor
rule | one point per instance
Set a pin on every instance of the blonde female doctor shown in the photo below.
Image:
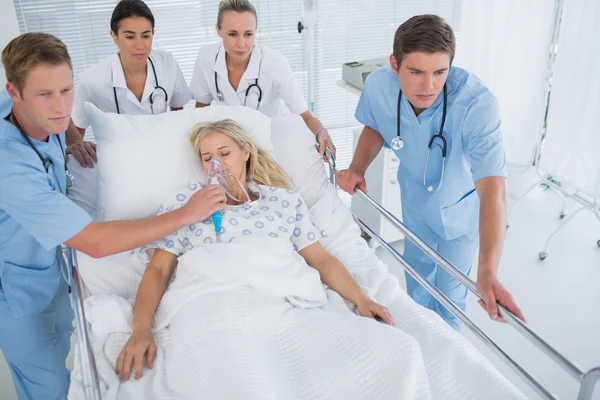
(237, 72)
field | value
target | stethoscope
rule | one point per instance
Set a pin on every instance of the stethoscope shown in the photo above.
(220, 97)
(157, 87)
(47, 162)
(398, 143)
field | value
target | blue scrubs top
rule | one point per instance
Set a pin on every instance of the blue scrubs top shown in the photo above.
(35, 218)
(475, 147)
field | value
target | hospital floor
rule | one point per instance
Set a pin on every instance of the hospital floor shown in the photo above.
(559, 296)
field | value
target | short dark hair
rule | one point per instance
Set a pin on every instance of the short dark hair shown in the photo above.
(24, 53)
(128, 9)
(425, 33)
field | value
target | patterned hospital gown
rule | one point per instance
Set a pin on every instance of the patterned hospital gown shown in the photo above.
(277, 213)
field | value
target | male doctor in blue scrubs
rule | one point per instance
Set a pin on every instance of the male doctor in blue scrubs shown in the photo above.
(36, 217)
(454, 202)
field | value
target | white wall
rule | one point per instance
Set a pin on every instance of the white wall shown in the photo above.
(508, 49)
(9, 29)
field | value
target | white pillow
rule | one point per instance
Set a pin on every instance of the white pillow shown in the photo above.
(142, 159)
(295, 151)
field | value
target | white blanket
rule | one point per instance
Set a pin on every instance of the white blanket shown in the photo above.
(270, 266)
(229, 340)
(249, 321)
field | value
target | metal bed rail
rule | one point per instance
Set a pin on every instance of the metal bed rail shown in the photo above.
(587, 380)
(89, 373)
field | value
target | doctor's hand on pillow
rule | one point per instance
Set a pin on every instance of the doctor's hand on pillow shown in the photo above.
(84, 153)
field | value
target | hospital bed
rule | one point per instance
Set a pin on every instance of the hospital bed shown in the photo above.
(347, 244)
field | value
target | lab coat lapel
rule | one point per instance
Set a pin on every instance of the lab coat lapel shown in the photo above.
(119, 82)
(252, 71)
(150, 82)
(230, 96)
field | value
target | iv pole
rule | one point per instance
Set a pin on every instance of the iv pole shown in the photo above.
(309, 19)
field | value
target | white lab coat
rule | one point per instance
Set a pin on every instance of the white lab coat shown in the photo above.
(280, 92)
(97, 83)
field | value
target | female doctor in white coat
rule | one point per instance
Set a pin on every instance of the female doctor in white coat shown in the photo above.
(236, 72)
(134, 80)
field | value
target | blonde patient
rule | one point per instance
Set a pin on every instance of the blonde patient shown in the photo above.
(274, 211)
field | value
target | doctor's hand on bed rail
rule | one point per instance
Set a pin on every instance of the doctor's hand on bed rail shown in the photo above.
(493, 292)
(349, 181)
(324, 141)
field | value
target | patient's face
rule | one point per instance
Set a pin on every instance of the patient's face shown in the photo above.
(234, 157)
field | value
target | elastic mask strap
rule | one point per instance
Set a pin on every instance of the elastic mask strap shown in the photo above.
(232, 197)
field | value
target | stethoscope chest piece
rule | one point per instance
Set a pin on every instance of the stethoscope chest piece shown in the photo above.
(70, 179)
(397, 143)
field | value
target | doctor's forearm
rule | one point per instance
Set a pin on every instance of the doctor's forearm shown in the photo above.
(492, 227)
(311, 122)
(101, 239)
(369, 145)
(73, 134)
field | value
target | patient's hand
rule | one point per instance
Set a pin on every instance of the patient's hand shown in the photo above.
(368, 308)
(139, 346)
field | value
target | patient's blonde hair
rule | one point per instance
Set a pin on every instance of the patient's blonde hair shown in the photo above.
(261, 168)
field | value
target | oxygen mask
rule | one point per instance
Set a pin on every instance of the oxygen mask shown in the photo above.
(218, 174)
